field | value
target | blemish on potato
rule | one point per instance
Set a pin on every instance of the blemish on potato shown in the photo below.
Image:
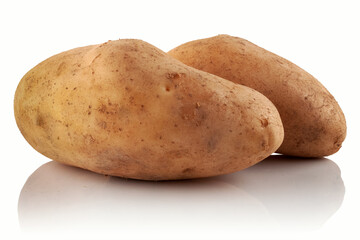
(211, 144)
(40, 121)
(193, 113)
(61, 68)
(131, 99)
(102, 124)
(264, 122)
(279, 61)
(173, 75)
(95, 58)
(188, 170)
(102, 108)
(264, 145)
(88, 139)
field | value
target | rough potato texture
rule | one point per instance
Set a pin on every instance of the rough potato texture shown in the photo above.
(125, 108)
(313, 121)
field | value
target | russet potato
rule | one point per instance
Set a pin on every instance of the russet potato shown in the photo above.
(314, 123)
(125, 108)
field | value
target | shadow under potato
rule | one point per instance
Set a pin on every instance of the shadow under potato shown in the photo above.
(278, 192)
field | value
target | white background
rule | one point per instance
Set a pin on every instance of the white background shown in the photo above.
(286, 199)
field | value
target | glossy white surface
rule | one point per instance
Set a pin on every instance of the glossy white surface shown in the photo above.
(276, 199)
(279, 192)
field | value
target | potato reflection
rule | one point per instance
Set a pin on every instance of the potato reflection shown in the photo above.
(297, 192)
(276, 192)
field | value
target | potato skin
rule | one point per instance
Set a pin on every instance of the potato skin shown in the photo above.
(313, 121)
(125, 108)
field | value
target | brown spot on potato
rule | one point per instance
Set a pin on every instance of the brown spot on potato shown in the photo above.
(188, 170)
(102, 108)
(172, 75)
(264, 122)
(212, 143)
(175, 75)
(314, 133)
(88, 139)
(193, 113)
(179, 153)
(337, 142)
(40, 121)
(264, 145)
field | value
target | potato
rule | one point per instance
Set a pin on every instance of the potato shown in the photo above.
(313, 121)
(125, 108)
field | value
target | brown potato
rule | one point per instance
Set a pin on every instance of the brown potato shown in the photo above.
(313, 121)
(125, 108)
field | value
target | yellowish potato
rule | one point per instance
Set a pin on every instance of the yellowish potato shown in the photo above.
(313, 121)
(125, 108)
